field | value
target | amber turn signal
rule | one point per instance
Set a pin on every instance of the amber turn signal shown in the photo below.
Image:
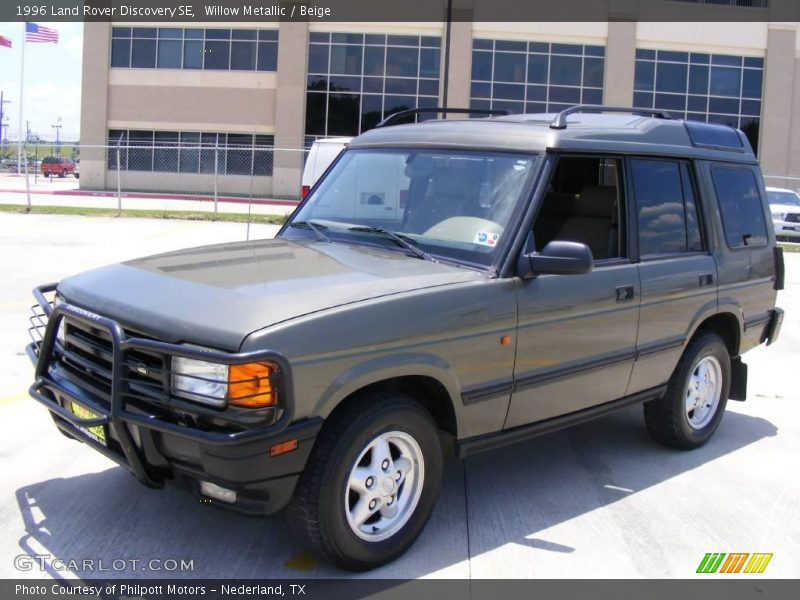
(283, 447)
(249, 385)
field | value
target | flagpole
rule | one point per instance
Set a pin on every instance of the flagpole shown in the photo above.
(21, 91)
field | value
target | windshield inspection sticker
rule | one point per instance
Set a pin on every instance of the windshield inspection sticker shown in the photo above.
(484, 238)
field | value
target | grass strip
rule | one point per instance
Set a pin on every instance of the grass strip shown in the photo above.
(184, 215)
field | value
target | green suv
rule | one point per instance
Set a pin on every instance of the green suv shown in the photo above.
(477, 280)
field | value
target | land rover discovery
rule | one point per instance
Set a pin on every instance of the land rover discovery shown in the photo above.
(487, 280)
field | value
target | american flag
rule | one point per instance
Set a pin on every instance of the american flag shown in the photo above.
(37, 33)
(4, 41)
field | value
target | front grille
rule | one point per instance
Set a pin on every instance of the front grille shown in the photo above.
(87, 359)
(793, 218)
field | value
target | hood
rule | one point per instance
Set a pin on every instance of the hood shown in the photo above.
(217, 295)
(784, 208)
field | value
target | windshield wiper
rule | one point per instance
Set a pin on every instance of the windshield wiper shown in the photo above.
(315, 227)
(405, 241)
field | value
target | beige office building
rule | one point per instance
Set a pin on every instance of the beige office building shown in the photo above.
(195, 106)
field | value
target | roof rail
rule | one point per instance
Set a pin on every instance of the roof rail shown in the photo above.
(394, 117)
(560, 121)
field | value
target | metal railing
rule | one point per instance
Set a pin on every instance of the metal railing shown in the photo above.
(788, 182)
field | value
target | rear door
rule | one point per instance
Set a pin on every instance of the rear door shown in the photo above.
(678, 273)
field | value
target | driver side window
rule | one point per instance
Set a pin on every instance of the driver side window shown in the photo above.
(584, 203)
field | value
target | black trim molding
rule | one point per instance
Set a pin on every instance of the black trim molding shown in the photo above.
(660, 346)
(488, 392)
(533, 380)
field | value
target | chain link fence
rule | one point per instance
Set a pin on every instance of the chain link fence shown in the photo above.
(783, 181)
(207, 169)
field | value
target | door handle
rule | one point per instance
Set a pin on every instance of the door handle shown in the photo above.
(625, 293)
(706, 279)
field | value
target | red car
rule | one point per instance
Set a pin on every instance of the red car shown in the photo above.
(55, 165)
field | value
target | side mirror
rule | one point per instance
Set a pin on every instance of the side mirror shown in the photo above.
(557, 258)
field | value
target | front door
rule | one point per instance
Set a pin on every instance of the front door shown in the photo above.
(576, 337)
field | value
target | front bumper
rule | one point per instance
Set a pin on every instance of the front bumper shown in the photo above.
(787, 229)
(156, 448)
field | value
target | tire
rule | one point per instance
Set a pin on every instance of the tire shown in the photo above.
(325, 505)
(46, 174)
(62, 174)
(706, 367)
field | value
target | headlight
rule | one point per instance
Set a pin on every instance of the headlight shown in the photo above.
(200, 380)
(247, 385)
(779, 216)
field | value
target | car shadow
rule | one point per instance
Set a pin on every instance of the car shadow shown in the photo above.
(503, 496)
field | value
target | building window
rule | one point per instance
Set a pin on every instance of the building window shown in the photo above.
(209, 49)
(191, 152)
(355, 80)
(714, 88)
(535, 77)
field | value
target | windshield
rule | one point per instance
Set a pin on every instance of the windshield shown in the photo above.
(783, 198)
(450, 204)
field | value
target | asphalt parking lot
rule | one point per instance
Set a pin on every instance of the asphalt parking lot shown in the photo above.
(600, 500)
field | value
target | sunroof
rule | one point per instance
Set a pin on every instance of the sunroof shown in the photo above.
(714, 136)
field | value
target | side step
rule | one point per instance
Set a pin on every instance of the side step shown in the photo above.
(490, 441)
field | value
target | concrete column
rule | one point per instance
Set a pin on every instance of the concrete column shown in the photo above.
(793, 169)
(94, 103)
(620, 63)
(778, 107)
(290, 108)
(458, 89)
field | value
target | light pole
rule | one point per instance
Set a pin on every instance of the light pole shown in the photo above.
(57, 127)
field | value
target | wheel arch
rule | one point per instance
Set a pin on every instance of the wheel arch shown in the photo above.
(425, 378)
(726, 325)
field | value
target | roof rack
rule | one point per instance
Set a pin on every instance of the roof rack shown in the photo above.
(394, 117)
(560, 121)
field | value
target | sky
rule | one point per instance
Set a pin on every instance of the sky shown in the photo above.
(52, 81)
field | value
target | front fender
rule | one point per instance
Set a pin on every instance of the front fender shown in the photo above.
(387, 367)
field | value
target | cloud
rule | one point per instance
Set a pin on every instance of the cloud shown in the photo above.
(46, 101)
(52, 82)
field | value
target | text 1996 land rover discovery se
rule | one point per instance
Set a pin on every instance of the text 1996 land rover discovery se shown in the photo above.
(492, 278)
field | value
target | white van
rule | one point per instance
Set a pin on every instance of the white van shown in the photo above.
(322, 153)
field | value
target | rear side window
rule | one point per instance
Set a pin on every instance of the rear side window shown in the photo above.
(740, 205)
(666, 208)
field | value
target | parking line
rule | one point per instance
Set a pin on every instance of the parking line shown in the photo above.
(14, 304)
(11, 399)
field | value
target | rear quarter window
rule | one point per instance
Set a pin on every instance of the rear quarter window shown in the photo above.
(668, 220)
(740, 204)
